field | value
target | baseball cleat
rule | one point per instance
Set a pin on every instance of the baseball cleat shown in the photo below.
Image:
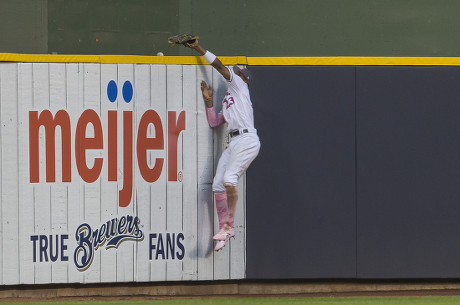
(224, 235)
(220, 244)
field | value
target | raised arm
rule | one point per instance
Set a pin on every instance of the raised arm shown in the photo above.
(211, 59)
(214, 119)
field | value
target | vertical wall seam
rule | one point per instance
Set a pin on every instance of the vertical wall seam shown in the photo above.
(1, 184)
(99, 178)
(83, 108)
(165, 265)
(182, 156)
(17, 167)
(33, 186)
(196, 172)
(49, 186)
(135, 135)
(167, 167)
(213, 133)
(135, 201)
(150, 185)
(356, 171)
(182, 140)
(100, 115)
(118, 184)
(67, 188)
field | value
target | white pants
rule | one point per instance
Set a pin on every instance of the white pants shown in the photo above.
(235, 160)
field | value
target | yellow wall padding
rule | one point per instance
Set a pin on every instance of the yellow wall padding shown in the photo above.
(233, 60)
(354, 61)
(118, 59)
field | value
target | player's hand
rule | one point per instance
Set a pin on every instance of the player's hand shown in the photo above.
(192, 45)
(206, 90)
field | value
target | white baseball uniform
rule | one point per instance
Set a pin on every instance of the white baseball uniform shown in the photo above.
(243, 149)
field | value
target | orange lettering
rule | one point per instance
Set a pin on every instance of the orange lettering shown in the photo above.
(82, 143)
(46, 120)
(174, 130)
(125, 194)
(112, 146)
(144, 143)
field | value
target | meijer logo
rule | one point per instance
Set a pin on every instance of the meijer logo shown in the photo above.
(82, 143)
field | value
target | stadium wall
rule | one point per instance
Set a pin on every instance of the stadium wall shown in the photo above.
(358, 172)
(106, 173)
(357, 175)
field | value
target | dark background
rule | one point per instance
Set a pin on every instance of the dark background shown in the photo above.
(233, 27)
(358, 174)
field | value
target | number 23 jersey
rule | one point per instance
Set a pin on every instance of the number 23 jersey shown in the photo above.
(236, 106)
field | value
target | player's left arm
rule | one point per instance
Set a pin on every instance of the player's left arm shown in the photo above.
(212, 59)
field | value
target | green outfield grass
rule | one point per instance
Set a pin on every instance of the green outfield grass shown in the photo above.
(443, 300)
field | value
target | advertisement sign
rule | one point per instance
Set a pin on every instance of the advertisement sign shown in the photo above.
(106, 175)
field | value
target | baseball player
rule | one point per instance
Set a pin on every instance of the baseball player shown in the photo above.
(244, 143)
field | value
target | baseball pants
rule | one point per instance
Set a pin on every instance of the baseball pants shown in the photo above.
(235, 160)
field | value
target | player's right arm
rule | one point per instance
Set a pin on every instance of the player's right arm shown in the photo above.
(211, 59)
(214, 119)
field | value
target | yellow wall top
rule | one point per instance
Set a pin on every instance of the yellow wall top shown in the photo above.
(233, 60)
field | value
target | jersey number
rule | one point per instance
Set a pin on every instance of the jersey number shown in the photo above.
(229, 103)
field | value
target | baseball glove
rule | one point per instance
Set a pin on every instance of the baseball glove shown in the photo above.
(183, 39)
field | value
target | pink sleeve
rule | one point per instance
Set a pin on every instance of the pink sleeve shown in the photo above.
(214, 119)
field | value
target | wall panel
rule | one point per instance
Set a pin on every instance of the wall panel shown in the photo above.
(408, 172)
(301, 208)
(10, 171)
(91, 215)
(358, 173)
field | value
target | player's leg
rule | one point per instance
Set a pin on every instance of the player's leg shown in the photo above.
(232, 199)
(220, 191)
(227, 231)
(243, 152)
(221, 208)
(221, 202)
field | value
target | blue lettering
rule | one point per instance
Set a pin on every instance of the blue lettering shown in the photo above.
(47, 246)
(170, 245)
(83, 255)
(122, 225)
(64, 257)
(34, 239)
(137, 231)
(111, 234)
(100, 238)
(43, 248)
(173, 249)
(131, 224)
(111, 228)
(151, 245)
(160, 247)
(56, 255)
(180, 238)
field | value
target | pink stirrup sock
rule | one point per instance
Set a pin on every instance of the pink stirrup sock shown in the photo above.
(231, 220)
(222, 208)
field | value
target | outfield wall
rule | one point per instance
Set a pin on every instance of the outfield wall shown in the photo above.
(357, 175)
(106, 173)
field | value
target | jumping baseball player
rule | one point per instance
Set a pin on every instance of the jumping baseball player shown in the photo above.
(244, 143)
